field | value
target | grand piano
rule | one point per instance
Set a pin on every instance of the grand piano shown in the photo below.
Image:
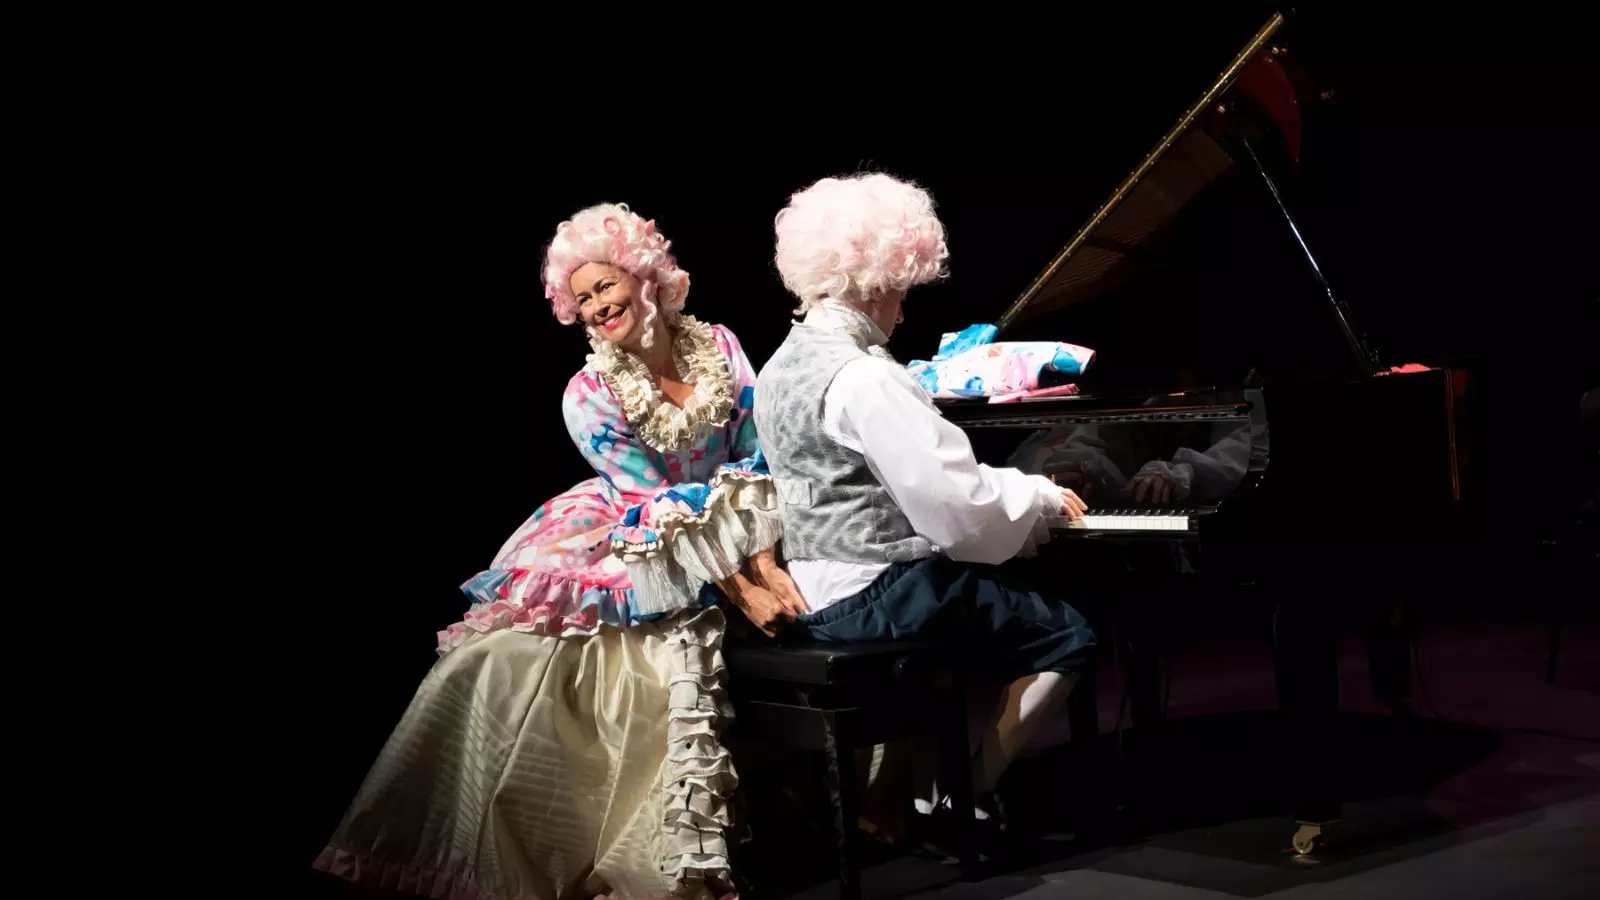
(1236, 424)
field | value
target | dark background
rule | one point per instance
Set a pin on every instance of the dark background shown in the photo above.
(1446, 190)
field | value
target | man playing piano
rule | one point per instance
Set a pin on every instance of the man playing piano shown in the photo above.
(892, 529)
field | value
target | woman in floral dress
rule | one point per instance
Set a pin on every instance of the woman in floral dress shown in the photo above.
(567, 743)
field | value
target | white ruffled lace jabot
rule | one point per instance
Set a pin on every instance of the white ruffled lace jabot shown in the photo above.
(657, 421)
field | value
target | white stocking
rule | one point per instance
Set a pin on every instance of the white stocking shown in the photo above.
(1028, 701)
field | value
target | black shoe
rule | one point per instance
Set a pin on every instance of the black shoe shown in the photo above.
(989, 811)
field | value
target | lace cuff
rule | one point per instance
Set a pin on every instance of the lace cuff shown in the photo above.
(684, 548)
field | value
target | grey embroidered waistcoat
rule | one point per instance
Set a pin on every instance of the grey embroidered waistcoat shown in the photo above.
(833, 507)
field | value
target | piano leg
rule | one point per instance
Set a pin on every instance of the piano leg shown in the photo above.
(1388, 637)
(1145, 643)
(1138, 637)
(1308, 695)
(1148, 591)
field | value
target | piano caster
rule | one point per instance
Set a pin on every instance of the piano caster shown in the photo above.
(1306, 839)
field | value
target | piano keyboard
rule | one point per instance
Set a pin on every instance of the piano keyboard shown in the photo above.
(1130, 520)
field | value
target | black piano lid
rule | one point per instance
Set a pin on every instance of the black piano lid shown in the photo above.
(1140, 204)
(1173, 263)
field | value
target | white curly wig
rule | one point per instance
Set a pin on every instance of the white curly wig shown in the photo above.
(850, 238)
(612, 233)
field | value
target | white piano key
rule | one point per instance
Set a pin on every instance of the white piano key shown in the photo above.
(1128, 523)
(1096, 522)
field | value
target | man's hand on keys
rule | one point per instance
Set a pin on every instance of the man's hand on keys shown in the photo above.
(1072, 506)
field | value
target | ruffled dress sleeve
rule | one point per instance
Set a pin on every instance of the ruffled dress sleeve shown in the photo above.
(697, 532)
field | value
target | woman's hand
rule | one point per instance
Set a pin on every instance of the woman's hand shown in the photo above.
(771, 576)
(765, 609)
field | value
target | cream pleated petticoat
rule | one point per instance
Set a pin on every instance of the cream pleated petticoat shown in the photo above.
(525, 760)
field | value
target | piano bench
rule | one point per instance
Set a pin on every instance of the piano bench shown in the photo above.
(837, 699)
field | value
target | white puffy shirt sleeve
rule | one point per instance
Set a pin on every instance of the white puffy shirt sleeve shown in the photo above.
(972, 512)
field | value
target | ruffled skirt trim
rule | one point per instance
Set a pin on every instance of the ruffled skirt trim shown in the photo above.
(698, 776)
(542, 602)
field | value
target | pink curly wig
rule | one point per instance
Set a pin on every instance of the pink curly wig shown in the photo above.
(612, 233)
(850, 238)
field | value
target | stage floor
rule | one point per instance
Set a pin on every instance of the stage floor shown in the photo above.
(1488, 786)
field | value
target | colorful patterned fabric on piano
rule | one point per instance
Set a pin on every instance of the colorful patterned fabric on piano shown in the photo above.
(968, 365)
